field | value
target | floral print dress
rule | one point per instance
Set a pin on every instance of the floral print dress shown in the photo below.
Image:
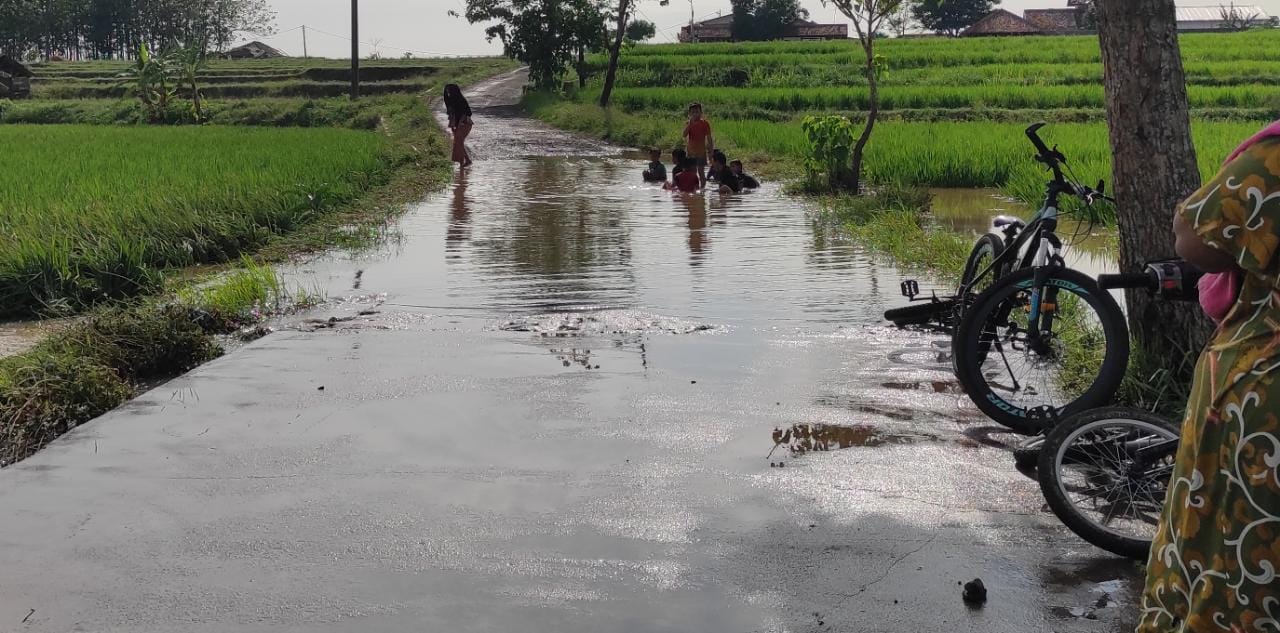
(1216, 555)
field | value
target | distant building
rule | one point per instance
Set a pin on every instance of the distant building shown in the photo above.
(1001, 22)
(721, 30)
(253, 50)
(1212, 18)
(1071, 20)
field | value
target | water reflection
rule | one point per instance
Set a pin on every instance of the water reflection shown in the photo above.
(802, 438)
(563, 240)
(459, 229)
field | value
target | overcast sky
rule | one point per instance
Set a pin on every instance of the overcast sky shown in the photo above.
(424, 26)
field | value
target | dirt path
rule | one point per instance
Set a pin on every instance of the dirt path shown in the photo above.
(560, 413)
(503, 131)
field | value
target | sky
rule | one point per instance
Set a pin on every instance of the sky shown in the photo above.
(424, 27)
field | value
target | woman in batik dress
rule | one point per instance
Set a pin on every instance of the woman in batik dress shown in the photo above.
(1215, 557)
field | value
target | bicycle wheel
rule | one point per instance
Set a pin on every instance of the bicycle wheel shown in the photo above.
(1075, 362)
(1093, 483)
(984, 253)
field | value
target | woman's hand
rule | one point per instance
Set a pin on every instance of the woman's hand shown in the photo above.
(1192, 248)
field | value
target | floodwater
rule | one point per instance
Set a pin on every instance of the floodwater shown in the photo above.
(1089, 249)
(542, 235)
(560, 400)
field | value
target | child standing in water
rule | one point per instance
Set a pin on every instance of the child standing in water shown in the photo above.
(698, 140)
(657, 172)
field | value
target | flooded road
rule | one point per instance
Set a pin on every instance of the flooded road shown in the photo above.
(564, 401)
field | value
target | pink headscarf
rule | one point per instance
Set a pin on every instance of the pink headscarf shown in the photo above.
(1219, 291)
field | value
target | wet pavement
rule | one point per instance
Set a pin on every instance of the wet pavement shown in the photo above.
(573, 402)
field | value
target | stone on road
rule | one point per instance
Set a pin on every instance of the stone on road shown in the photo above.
(582, 404)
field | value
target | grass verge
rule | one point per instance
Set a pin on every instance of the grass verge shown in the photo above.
(102, 359)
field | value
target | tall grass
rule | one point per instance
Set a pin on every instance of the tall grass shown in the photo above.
(91, 213)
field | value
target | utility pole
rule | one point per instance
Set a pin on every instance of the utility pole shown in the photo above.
(355, 49)
(304, 42)
(693, 27)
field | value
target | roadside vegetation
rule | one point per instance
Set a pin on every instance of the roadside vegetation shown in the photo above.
(101, 360)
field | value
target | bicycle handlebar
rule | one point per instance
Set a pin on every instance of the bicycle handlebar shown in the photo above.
(1125, 280)
(1169, 279)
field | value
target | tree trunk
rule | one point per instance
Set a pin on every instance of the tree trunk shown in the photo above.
(582, 67)
(624, 7)
(873, 111)
(1154, 161)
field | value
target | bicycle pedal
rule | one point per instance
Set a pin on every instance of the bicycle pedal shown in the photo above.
(910, 288)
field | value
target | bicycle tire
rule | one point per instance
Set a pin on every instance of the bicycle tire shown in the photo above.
(990, 246)
(973, 341)
(920, 314)
(1049, 474)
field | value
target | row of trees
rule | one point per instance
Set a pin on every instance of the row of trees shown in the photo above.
(114, 29)
(551, 36)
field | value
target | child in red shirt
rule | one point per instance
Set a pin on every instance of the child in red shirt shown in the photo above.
(698, 140)
(685, 178)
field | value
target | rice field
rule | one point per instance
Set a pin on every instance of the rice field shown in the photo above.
(953, 108)
(95, 212)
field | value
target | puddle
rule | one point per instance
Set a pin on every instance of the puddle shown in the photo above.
(930, 386)
(19, 336)
(802, 438)
(1091, 250)
(606, 322)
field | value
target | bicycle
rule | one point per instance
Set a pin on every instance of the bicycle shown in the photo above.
(1042, 341)
(1010, 245)
(1104, 472)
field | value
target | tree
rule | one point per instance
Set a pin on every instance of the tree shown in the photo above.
(623, 13)
(760, 20)
(535, 32)
(950, 17)
(902, 20)
(587, 32)
(1238, 19)
(743, 27)
(641, 30)
(867, 16)
(1154, 161)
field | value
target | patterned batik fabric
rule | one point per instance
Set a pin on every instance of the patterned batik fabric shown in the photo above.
(1216, 554)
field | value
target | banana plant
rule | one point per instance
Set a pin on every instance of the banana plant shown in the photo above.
(191, 60)
(152, 79)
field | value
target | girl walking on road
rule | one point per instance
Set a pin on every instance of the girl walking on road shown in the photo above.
(459, 122)
(1217, 549)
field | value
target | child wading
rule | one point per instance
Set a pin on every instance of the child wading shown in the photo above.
(744, 178)
(698, 140)
(657, 172)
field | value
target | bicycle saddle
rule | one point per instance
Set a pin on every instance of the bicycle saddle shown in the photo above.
(1001, 221)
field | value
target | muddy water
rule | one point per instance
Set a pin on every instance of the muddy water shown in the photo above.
(1090, 249)
(532, 236)
(17, 337)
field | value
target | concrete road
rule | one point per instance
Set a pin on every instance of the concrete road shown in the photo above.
(581, 404)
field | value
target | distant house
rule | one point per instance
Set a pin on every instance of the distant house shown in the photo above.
(1001, 22)
(1069, 21)
(1211, 18)
(253, 50)
(721, 30)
